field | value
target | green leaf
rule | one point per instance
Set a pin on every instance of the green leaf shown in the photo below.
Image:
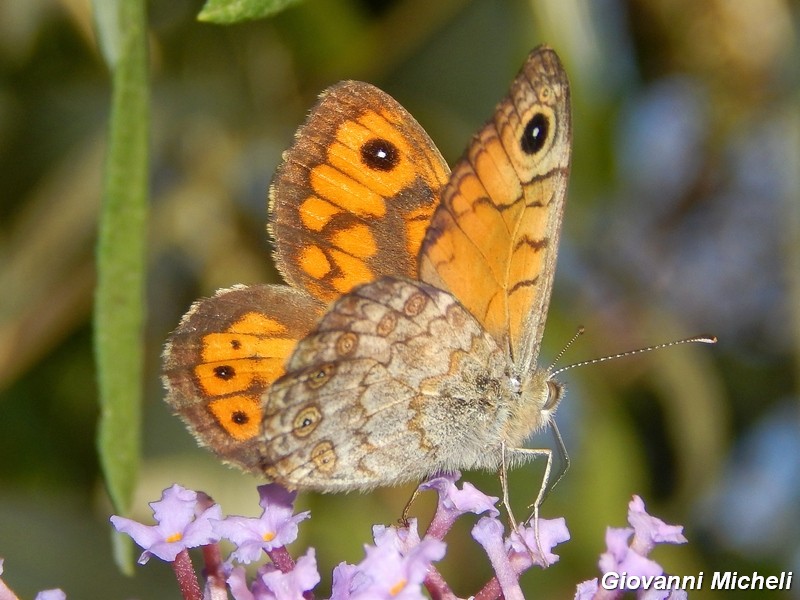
(119, 296)
(225, 12)
(108, 28)
(122, 551)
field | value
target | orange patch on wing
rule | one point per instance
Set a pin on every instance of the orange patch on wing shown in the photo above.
(240, 374)
(462, 269)
(222, 346)
(257, 323)
(345, 154)
(341, 189)
(355, 271)
(404, 172)
(316, 213)
(416, 225)
(519, 313)
(497, 174)
(358, 240)
(480, 233)
(240, 416)
(252, 351)
(470, 193)
(527, 259)
(314, 262)
(527, 263)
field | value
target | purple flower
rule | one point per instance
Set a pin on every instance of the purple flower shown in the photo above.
(275, 527)
(454, 502)
(619, 557)
(343, 580)
(393, 569)
(288, 586)
(649, 531)
(631, 559)
(237, 582)
(272, 584)
(587, 589)
(403, 538)
(5, 591)
(181, 524)
(524, 550)
(55, 594)
(512, 556)
(488, 532)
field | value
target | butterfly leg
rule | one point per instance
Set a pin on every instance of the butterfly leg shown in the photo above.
(513, 524)
(407, 508)
(526, 454)
(561, 451)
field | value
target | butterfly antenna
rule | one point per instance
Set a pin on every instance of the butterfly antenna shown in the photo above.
(701, 339)
(578, 334)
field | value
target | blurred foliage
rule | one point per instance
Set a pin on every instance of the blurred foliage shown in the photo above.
(684, 216)
(233, 11)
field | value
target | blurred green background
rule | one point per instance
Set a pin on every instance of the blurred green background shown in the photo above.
(683, 217)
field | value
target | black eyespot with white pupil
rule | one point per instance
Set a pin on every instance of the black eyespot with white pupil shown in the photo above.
(239, 417)
(535, 134)
(380, 154)
(225, 372)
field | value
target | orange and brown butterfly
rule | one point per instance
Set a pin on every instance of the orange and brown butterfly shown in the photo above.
(404, 377)
(412, 373)
(350, 202)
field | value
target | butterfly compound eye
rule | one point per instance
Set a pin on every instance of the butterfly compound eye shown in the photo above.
(535, 134)
(380, 154)
(554, 392)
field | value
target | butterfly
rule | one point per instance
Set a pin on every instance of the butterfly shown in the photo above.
(407, 338)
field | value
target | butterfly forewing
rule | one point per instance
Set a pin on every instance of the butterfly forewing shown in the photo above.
(493, 239)
(355, 193)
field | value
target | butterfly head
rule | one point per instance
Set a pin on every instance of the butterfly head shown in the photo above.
(537, 397)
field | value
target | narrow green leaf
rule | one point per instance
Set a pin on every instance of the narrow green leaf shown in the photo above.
(119, 297)
(107, 26)
(225, 12)
(122, 550)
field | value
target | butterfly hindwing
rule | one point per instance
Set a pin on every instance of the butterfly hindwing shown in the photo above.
(381, 392)
(223, 357)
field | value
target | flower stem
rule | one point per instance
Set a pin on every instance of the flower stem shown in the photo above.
(213, 561)
(490, 591)
(281, 558)
(187, 578)
(436, 585)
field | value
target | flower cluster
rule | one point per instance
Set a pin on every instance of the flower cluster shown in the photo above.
(629, 557)
(397, 566)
